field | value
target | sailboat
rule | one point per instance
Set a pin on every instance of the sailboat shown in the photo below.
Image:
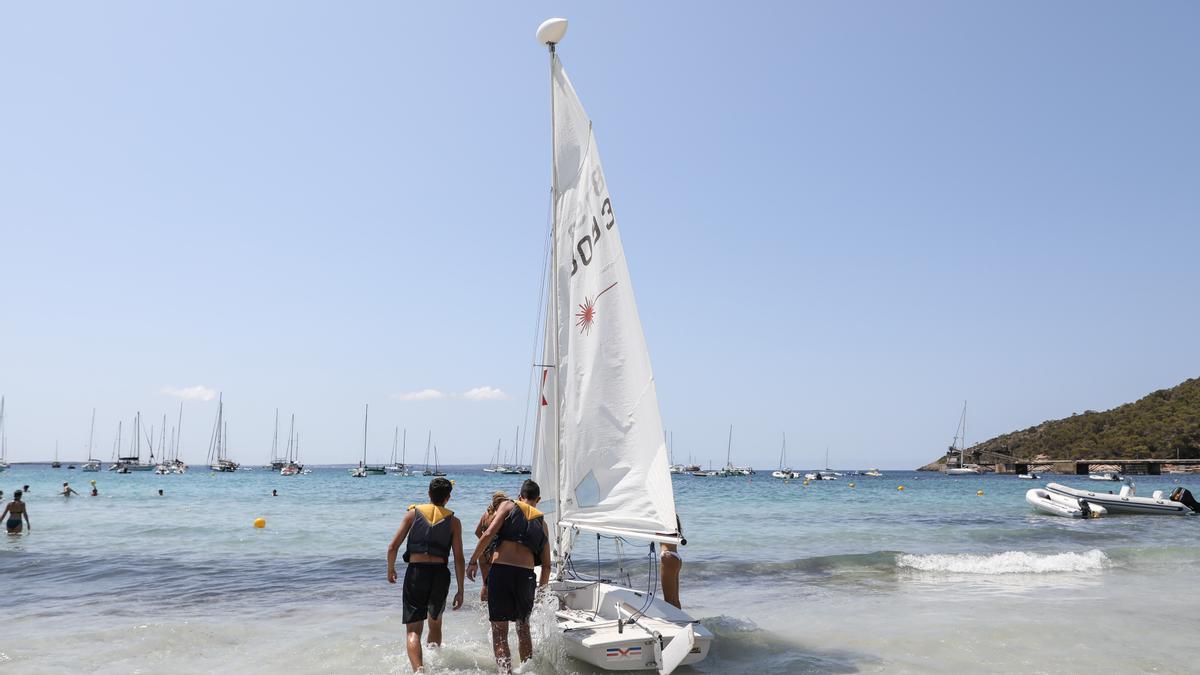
(277, 463)
(516, 468)
(92, 464)
(399, 468)
(496, 466)
(133, 461)
(599, 455)
(218, 444)
(176, 464)
(783, 472)
(958, 447)
(730, 469)
(56, 464)
(291, 463)
(362, 470)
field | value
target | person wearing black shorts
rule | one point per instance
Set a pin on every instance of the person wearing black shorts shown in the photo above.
(522, 544)
(432, 532)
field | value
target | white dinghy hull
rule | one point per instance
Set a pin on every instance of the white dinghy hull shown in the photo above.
(1054, 504)
(1125, 501)
(601, 625)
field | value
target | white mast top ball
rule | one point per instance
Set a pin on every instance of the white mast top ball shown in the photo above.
(551, 31)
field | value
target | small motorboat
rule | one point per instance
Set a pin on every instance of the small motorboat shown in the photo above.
(1179, 503)
(1028, 476)
(1054, 504)
(874, 473)
(1107, 475)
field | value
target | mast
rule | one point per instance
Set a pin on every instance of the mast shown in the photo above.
(729, 450)
(162, 441)
(552, 309)
(91, 432)
(366, 409)
(404, 449)
(275, 439)
(395, 445)
(179, 433)
(291, 437)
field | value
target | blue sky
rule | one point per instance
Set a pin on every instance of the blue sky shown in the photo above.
(842, 219)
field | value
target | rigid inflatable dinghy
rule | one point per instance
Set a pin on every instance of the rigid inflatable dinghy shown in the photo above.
(1180, 503)
(1057, 505)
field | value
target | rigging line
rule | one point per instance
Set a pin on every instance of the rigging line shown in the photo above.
(543, 297)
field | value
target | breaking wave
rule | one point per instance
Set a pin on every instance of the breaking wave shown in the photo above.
(1010, 562)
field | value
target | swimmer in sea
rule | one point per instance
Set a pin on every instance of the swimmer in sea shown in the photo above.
(13, 513)
(67, 490)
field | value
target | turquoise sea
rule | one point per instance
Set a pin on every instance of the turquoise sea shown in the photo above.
(823, 578)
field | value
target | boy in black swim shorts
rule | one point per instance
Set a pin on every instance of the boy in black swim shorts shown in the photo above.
(522, 544)
(432, 532)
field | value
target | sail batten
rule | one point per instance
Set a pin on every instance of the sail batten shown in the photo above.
(602, 462)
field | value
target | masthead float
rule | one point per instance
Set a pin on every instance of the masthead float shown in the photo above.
(600, 457)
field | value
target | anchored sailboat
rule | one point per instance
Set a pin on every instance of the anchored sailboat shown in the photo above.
(218, 444)
(599, 455)
(400, 468)
(958, 447)
(362, 470)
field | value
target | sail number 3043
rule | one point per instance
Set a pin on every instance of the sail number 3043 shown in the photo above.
(585, 248)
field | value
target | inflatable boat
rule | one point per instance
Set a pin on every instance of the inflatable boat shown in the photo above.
(1055, 504)
(1179, 503)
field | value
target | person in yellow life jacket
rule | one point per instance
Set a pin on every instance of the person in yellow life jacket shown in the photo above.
(432, 532)
(485, 560)
(523, 545)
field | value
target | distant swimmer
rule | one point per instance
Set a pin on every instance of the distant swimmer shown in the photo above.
(485, 560)
(13, 512)
(670, 564)
(95, 492)
(432, 532)
(274, 493)
(160, 492)
(67, 490)
(523, 536)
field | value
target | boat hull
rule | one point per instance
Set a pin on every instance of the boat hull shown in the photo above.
(591, 632)
(1124, 503)
(1054, 504)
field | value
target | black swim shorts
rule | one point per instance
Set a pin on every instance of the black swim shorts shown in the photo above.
(426, 586)
(510, 592)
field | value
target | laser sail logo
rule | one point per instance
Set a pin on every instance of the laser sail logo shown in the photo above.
(586, 316)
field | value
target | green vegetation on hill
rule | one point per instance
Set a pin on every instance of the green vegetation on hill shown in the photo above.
(1162, 425)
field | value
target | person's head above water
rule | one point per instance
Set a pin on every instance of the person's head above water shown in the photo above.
(498, 498)
(531, 492)
(439, 490)
(17, 496)
(64, 484)
(160, 492)
(274, 493)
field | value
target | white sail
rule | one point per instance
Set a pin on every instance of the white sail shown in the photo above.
(612, 466)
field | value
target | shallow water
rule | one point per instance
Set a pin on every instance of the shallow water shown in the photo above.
(823, 578)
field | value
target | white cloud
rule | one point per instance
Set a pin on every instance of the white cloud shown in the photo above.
(485, 394)
(423, 395)
(198, 392)
(476, 394)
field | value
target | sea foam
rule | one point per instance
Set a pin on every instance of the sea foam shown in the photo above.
(1010, 562)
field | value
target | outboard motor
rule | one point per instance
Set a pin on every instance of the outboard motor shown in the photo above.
(1183, 496)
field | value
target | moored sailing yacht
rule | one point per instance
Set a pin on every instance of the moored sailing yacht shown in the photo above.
(599, 478)
(291, 465)
(218, 444)
(958, 448)
(92, 464)
(133, 461)
(781, 472)
(399, 468)
(362, 470)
